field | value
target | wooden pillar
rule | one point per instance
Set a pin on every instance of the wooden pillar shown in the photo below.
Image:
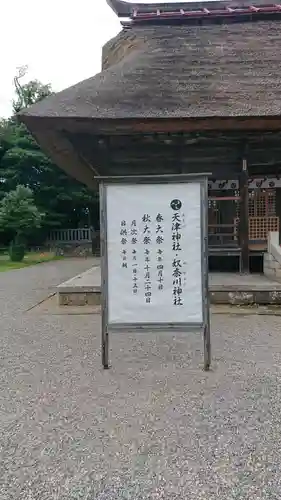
(244, 218)
(278, 209)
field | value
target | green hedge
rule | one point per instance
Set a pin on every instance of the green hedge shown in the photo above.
(16, 252)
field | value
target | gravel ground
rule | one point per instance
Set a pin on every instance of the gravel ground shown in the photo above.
(155, 426)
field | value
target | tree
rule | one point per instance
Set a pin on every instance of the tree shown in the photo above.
(65, 201)
(19, 215)
(28, 93)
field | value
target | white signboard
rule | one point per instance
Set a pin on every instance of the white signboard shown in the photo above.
(154, 253)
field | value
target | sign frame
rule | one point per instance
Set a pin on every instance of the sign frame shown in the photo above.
(107, 328)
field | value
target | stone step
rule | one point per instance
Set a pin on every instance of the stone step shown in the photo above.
(225, 288)
(82, 290)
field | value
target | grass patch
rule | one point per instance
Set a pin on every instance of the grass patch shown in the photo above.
(31, 259)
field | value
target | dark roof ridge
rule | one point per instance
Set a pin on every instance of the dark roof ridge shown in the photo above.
(205, 15)
(199, 19)
(126, 8)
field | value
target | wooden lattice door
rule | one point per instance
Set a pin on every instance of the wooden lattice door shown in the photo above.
(222, 216)
(262, 215)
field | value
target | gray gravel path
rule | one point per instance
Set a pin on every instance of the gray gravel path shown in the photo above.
(155, 426)
(22, 288)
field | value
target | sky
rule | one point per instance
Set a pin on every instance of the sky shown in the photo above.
(59, 40)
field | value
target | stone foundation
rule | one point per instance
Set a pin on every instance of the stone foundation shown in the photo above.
(82, 290)
(272, 259)
(271, 267)
(79, 299)
(239, 298)
(246, 298)
(236, 290)
(74, 250)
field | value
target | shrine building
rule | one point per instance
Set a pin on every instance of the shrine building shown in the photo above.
(185, 87)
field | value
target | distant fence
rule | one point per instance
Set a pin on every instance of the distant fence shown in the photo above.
(68, 236)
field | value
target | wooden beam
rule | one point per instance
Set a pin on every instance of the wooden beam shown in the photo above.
(255, 139)
(244, 217)
(158, 125)
(201, 124)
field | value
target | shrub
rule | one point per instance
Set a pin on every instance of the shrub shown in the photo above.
(19, 215)
(16, 252)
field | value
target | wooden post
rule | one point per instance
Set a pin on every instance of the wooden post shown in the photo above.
(278, 209)
(244, 218)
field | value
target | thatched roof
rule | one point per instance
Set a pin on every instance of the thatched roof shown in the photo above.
(180, 71)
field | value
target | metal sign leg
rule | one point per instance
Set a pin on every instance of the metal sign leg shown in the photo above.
(207, 347)
(105, 349)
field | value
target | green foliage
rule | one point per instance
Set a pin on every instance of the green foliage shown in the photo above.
(65, 202)
(30, 93)
(16, 252)
(19, 214)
